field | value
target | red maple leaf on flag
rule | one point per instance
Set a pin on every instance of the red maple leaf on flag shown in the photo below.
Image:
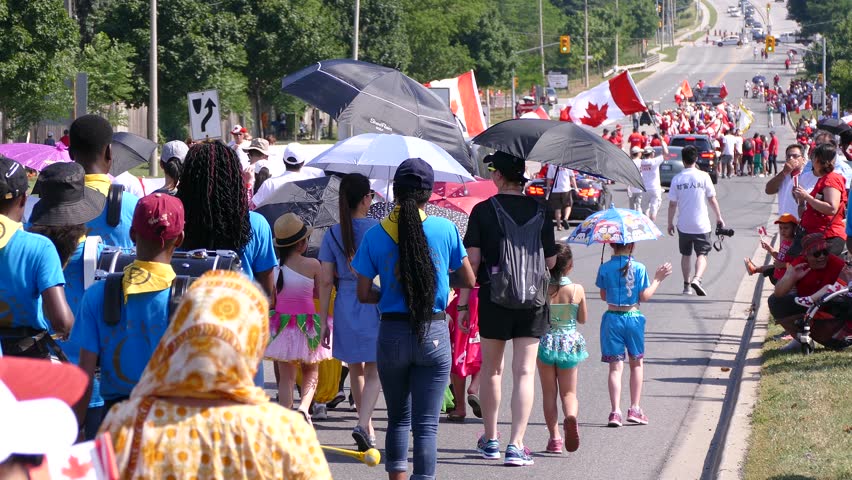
(595, 115)
(75, 469)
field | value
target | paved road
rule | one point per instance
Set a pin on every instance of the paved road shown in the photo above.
(682, 331)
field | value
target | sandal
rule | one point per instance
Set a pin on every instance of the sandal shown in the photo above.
(473, 401)
(454, 417)
(306, 415)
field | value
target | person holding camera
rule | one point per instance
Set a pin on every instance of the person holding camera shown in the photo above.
(690, 192)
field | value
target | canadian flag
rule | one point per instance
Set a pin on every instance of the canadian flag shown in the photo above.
(611, 100)
(723, 92)
(539, 113)
(464, 102)
(684, 91)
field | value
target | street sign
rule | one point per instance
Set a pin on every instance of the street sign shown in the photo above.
(204, 119)
(557, 80)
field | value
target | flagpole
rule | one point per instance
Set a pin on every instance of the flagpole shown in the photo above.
(541, 46)
(586, 10)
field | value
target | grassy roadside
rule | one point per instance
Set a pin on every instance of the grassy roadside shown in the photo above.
(802, 423)
(700, 34)
(670, 53)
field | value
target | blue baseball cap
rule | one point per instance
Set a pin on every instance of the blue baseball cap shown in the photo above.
(415, 173)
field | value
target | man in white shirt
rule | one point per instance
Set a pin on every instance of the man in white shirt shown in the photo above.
(690, 192)
(649, 168)
(561, 181)
(239, 142)
(294, 161)
(726, 160)
(634, 195)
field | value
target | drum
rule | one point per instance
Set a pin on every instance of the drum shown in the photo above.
(193, 263)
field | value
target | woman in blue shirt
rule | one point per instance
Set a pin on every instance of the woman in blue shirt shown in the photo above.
(412, 255)
(356, 324)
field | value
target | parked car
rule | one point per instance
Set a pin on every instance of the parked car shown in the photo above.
(729, 40)
(706, 153)
(524, 105)
(757, 25)
(551, 96)
(592, 195)
(671, 166)
(711, 95)
(735, 13)
(758, 36)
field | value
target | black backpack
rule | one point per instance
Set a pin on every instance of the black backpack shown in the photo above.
(114, 296)
(748, 144)
(520, 278)
(113, 202)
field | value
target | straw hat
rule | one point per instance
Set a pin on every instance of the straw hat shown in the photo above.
(290, 229)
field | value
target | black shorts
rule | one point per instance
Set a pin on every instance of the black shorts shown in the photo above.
(559, 200)
(499, 323)
(687, 242)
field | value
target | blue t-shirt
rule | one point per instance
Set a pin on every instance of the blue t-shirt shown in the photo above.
(331, 251)
(622, 290)
(259, 254)
(119, 235)
(124, 349)
(378, 255)
(29, 265)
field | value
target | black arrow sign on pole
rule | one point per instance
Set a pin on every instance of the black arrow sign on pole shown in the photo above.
(209, 106)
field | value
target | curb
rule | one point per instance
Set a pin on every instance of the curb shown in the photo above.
(700, 446)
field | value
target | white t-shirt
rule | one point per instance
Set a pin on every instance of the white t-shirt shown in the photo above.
(738, 144)
(265, 194)
(728, 149)
(563, 179)
(786, 202)
(638, 162)
(650, 171)
(690, 189)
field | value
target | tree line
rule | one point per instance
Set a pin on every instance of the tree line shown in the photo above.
(244, 48)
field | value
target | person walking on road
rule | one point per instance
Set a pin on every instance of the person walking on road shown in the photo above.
(487, 236)
(623, 284)
(649, 168)
(772, 161)
(412, 255)
(690, 192)
(634, 194)
(561, 181)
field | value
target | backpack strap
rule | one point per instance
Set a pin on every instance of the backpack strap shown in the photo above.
(90, 260)
(113, 298)
(498, 209)
(114, 205)
(179, 287)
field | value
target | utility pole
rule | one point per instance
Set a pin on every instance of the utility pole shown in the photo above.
(617, 28)
(586, 42)
(356, 29)
(541, 45)
(824, 77)
(153, 124)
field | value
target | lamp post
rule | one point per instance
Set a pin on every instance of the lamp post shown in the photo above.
(541, 45)
(586, 42)
(356, 29)
(153, 124)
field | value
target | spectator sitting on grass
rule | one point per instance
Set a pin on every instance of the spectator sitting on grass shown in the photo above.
(813, 275)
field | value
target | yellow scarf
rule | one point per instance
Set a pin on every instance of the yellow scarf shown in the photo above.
(391, 223)
(145, 277)
(8, 227)
(99, 182)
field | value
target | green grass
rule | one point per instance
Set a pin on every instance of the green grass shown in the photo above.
(802, 423)
(687, 19)
(638, 76)
(794, 117)
(714, 15)
(670, 53)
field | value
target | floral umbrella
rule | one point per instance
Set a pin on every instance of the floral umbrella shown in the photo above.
(615, 225)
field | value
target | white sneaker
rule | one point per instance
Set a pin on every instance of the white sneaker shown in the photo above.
(320, 412)
(687, 289)
(793, 346)
(761, 175)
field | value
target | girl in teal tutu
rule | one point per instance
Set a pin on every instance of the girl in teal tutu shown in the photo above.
(560, 351)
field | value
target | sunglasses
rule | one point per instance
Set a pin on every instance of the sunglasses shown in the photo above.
(491, 169)
(794, 156)
(819, 253)
(372, 194)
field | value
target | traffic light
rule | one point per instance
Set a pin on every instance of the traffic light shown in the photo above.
(659, 9)
(565, 44)
(769, 44)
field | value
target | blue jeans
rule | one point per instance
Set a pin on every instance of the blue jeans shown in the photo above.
(414, 376)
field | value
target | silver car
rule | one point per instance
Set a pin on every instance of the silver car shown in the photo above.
(671, 166)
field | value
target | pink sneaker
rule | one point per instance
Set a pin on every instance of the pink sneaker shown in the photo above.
(572, 434)
(635, 415)
(554, 445)
(614, 419)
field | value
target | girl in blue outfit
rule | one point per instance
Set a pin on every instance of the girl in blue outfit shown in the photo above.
(623, 284)
(560, 351)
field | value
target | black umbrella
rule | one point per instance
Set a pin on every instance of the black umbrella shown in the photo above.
(834, 125)
(374, 99)
(128, 151)
(314, 200)
(562, 143)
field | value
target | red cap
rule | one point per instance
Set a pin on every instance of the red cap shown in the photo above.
(31, 379)
(158, 217)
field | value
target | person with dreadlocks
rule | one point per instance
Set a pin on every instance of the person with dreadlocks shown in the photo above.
(217, 212)
(623, 284)
(356, 325)
(412, 255)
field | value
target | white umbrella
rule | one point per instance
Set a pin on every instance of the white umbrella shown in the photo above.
(376, 156)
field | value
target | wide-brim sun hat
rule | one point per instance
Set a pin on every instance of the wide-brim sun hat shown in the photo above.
(290, 229)
(64, 198)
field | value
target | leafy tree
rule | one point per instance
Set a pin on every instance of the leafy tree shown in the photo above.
(110, 70)
(382, 36)
(200, 44)
(491, 46)
(37, 51)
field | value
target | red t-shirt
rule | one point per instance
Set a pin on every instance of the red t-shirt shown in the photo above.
(829, 225)
(656, 142)
(758, 145)
(773, 146)
(635, 140)
(816, 279)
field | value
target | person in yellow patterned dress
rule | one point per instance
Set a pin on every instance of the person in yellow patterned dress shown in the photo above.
(196, 412)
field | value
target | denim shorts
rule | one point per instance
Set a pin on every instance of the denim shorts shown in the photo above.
(622, 331)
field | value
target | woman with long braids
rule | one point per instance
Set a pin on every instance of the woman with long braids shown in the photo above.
(412, 255)
(217, 212)
(356, 325)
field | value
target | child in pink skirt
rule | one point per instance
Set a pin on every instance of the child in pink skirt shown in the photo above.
(295, 326)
